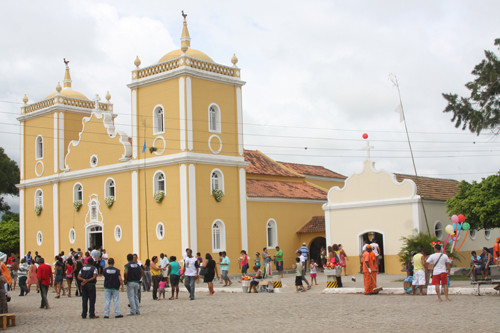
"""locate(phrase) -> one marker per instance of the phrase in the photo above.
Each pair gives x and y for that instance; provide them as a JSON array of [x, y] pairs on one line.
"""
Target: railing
[[66, 101]]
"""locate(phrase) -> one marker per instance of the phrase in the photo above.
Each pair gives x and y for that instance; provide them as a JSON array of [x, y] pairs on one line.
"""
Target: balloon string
[[466, 234]]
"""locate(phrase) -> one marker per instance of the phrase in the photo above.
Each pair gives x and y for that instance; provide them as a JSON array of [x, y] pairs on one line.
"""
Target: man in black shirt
[[133, 275], [88, 277], [112, 282], [79, 265]]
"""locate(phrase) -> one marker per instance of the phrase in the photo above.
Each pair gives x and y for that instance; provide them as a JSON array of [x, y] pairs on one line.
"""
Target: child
[[256, 278], [298, 275], [313, 267], [161, 289]]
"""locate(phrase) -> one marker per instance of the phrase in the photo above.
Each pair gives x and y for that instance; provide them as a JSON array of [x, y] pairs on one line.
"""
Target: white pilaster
[[239, 113], [61, 141], [135, 212], [21, 160], [243, 209], [417, 224], [134, 123], [56, 141], [22, 240], [192, 208], [55, 214], [182, 114], [184, 207], [328, 228], [189, 104]]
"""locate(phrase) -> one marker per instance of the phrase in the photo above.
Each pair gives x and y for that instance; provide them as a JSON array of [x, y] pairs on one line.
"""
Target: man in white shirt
[[376, 251], [191, 267], [303, 261], [163, 264], [440, 272]]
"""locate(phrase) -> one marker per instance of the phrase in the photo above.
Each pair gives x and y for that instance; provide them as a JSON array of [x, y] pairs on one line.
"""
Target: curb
[[400, 291]]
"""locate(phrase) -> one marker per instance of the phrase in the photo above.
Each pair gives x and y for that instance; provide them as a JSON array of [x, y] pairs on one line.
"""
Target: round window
[[160, 230], [487, 233], [472, 234], [93, 161], [72, 236], [39, 238], [438, 229], [118, 233]]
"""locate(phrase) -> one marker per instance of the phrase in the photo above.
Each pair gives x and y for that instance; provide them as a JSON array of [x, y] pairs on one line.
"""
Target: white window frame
[[39, 150], [106, 187], [222, 236], [118, 233], [487, 233], [473, 234], [159, 227], [93, 204], [156, 182], [38, 202], [75, 191], [39, 238], [94, 161], [271, 223], [220, 179], [156, 130], [216, 123], [72, 236], [441, 229]]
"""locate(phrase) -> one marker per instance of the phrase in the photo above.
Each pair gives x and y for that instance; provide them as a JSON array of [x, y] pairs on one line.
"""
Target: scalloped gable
[[372, 185], [109, 145]]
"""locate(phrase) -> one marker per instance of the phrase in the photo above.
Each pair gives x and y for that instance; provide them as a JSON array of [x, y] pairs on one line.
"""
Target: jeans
[[108, 294], [189, 284], [156, 281], [88, 296], [22, 285], [133, 297], [43, 293], [78, 287]]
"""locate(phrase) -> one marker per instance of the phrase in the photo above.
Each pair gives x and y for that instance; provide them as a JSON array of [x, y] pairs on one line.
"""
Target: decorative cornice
[[153, 162], [372, 203], [54, 108]]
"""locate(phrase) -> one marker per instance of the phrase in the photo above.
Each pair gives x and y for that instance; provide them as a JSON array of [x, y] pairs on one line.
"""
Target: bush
[[9, 236], [414, 242]]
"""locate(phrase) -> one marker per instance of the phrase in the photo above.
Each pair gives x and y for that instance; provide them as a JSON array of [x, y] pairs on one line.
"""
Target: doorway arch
[[94, 236], [315, 249], [370, 236]]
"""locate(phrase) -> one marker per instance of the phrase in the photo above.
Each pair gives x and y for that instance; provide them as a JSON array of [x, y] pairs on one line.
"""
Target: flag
[[144, 147], [399, 110]]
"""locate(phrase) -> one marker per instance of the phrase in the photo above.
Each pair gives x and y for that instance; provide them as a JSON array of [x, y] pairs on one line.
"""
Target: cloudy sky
[[317, 72]]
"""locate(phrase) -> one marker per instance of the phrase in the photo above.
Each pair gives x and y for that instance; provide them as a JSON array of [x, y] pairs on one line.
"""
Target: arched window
[[218, 236], [438, 229], [272, 234], [110, 188], [39, 198], [217, 180], [158, 120], [159, 182], [473, 234], [214, 123], [487, 233], [78, 192], [93, 211], [39, 147]]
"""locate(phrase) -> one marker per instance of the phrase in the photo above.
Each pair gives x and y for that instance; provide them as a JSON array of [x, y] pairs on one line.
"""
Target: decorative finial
[[185, 38], [66, 61], [25, 99], [234, 59], [108, 96], [58, 87], [137, 62], [67, 76], [96, 102]]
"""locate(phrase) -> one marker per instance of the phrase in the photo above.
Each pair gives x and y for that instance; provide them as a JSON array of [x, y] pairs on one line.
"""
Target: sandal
[[171, 298]]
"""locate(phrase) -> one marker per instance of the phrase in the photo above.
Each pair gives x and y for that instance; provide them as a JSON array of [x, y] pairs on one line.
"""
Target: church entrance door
[[379, 239], [315, 249], [94, 237]]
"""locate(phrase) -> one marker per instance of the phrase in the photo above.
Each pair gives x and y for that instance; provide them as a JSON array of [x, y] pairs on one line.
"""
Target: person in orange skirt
[[369, 262]]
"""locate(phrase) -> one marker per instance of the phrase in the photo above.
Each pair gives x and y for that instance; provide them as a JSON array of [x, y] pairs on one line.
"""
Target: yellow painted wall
[[204, 93], [289, 217], [165, 94], [43, 222], [43, 125], [72, 128]]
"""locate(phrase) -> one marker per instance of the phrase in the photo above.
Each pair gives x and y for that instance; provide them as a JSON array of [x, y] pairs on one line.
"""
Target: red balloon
[[365, 136], [461, 218]]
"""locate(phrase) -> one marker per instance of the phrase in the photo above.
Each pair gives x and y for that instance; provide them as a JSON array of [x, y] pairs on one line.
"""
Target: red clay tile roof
[[312, 170], [280, 189], [260, 164], [433, 188], [317, 224]]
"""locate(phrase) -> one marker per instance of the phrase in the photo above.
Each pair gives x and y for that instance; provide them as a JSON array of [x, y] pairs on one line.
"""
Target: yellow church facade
[[180, 179]]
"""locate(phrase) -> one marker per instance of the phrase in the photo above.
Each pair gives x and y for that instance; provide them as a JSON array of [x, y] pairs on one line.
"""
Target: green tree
[[413, 243], [481, 110], [7, 216], [9, 236], [9, 177], [479, 202]]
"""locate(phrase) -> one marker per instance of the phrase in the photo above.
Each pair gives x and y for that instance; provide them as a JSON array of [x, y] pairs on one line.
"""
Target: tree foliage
[[481, 110], [9, 236], [9, 177], [479, 202], [415, 242]]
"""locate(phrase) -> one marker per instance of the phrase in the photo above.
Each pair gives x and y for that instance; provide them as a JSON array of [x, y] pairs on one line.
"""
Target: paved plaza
[[285, 311]]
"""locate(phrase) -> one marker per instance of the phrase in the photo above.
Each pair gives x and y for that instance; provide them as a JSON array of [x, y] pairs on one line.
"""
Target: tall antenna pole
[[394, 81], [145, 192]]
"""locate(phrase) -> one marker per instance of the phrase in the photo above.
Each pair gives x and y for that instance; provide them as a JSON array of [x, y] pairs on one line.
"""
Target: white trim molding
[[21, 155], [221, 180], [222, 236], [193, 227], [135, 212], [239, 117], [372, 203], [155, 120], [189, 118], [184, 207], [218, 117], [134, 124], [274, 226], [56, 141], [55, 215], [159, 151], [22, 239], [243, 209], [182, 114], [212, 138], [328, 228], [61, 141]]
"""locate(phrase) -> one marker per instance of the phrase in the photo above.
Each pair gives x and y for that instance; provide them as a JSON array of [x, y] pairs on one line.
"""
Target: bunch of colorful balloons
[[454, 230]]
